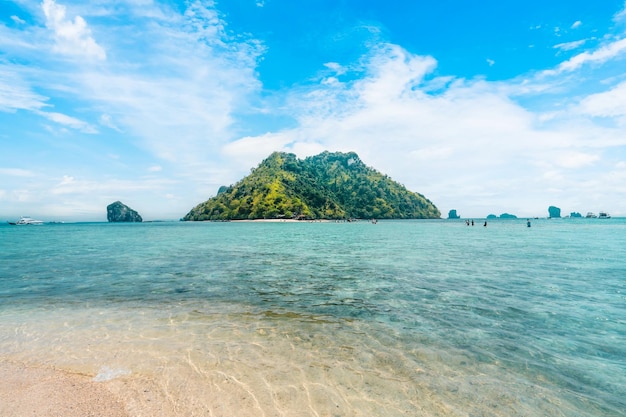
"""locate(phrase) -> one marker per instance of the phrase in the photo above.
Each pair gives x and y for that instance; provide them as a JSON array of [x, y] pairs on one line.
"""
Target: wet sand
[[43, 392]]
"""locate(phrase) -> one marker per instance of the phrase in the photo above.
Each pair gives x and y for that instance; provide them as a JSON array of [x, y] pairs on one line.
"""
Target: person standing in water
[[527, 222]]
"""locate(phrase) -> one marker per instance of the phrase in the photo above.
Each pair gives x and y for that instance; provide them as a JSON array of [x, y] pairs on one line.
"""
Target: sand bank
[[41, 392], [282, 221]]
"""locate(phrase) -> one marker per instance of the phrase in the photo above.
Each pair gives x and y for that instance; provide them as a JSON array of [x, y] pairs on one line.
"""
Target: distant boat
[[604, 215], [591, 215], [26, 221]]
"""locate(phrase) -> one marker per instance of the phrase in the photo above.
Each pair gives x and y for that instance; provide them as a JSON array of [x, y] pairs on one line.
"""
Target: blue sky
[[484, 107]]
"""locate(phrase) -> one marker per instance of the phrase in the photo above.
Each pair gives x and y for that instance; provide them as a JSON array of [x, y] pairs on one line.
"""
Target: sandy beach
[[282, 221], [44, 392]]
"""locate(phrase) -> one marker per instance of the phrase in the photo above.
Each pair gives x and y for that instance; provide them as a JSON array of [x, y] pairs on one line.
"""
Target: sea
[[397, 318]]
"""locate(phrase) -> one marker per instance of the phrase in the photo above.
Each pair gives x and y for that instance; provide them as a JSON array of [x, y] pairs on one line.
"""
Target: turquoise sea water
[[420, 318]]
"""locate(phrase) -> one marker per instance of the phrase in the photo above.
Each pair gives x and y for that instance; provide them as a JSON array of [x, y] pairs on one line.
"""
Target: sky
[[484, 107]]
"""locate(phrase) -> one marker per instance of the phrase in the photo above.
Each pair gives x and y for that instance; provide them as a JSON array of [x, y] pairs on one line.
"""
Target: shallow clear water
[[429, 318]]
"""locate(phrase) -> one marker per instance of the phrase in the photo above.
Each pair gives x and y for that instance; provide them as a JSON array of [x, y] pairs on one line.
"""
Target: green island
[[329, 186]]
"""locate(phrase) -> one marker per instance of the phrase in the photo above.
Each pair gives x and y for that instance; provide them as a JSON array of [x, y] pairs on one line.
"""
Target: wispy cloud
[[15, 94], [69, 121], [599, 56], [107, 120], [568, 46], [175, 92], [17, 20], [620, 17], [17, 172]]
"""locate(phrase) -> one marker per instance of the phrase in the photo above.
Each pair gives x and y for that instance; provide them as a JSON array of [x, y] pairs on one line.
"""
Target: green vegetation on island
[[326, 186]]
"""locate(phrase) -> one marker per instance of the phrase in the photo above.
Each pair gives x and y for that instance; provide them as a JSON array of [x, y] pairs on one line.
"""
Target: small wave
[[106, 374]]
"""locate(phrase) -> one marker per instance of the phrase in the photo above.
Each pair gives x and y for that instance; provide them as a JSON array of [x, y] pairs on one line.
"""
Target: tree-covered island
[[326, 186]]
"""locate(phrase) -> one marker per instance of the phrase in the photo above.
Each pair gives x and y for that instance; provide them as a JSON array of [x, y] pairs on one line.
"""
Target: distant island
[[326, 186], [502, 216], [119, 212], [554, 212]]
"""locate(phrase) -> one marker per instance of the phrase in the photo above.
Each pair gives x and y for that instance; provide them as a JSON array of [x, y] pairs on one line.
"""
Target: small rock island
[[554, 212], [120, 213]]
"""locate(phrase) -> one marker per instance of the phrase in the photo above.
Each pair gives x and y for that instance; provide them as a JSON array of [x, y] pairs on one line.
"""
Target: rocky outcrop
[[452, 215], [118, 212], [554, 212]]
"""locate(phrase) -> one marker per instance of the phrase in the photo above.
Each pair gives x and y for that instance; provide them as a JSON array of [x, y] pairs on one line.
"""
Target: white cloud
[[431, 153], [17, 20], [107, 120], [66, 180], [395, 72], [573, 160], [16, 172], [70, 185], [187, 79], [249, 151], [72, 37], [611, 103], [620, 17], [576, 24], [605, 53], [15, 94], [69, 121], [336, 68], [568, 46]]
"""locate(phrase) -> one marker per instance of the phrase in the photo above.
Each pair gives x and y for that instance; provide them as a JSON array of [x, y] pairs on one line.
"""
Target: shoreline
[[43, 392], [280, 221]]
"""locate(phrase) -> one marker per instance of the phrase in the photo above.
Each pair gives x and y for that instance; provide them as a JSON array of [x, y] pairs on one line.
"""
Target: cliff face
[[119, 212], [326, 186]]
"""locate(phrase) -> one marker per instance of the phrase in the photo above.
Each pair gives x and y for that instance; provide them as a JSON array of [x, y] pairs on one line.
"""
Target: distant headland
[[326, 186]]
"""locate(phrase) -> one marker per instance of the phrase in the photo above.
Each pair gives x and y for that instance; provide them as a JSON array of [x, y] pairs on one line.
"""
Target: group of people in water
[[468, 222], [471, 222]]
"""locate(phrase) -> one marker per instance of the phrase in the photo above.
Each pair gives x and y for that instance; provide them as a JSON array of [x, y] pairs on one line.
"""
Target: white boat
[[604, 215], [591, 215], [26, 221]]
